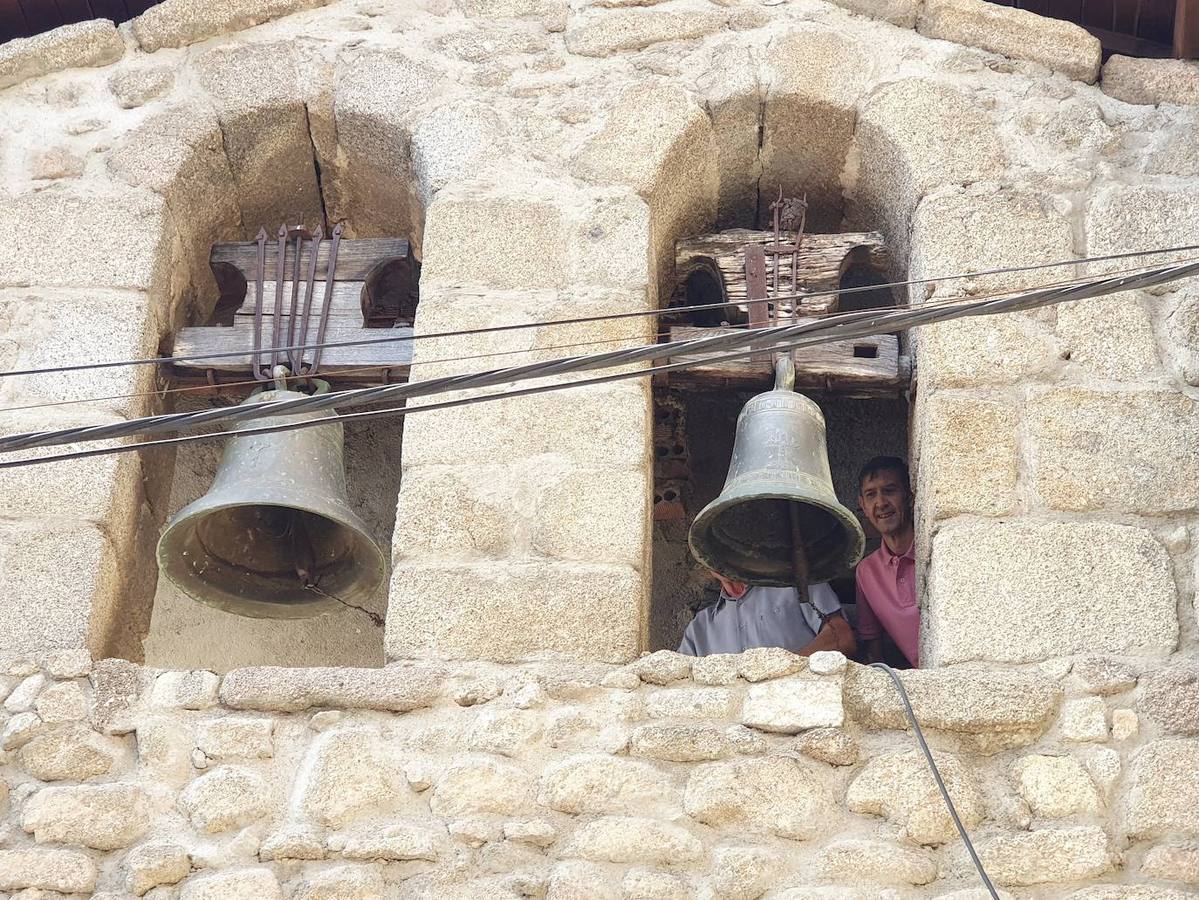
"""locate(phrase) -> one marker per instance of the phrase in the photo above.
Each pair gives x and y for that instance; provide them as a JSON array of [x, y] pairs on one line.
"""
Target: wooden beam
[[355, 258], [823, 259], [365, 364], [346, 301], [865, 367], [1128, 45], [382, 269]]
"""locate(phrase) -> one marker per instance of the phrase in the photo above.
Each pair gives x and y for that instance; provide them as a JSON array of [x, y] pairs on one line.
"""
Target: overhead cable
[[910, 714], [374, 368], [840, 327], [338, 374], [665, 311]]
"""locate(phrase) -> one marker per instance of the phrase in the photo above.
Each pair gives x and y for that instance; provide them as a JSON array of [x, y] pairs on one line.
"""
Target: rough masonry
[[544, 158], [763, 774]]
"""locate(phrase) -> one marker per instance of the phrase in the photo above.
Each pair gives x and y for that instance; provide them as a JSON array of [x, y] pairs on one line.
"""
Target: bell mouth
[[749, 539], [270, 561]]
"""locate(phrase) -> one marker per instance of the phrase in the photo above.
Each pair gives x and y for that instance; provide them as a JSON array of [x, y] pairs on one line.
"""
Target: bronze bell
[[778, 489], [275, 537]]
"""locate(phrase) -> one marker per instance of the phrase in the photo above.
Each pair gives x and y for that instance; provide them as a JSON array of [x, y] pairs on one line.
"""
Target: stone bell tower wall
[[544, 157], [731, 776], [544, 161]]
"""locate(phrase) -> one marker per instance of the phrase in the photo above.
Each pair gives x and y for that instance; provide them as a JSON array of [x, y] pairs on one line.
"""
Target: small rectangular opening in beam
[[865, 351]]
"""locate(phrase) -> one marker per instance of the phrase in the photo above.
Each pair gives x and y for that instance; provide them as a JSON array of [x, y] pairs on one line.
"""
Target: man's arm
[[835, 634]]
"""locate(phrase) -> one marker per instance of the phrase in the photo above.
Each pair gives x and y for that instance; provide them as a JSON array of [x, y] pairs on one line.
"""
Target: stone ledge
[[551, 13], [913, 135], [898, 788], [1147, 465], [114, 238], [1015, 706], [898, 12], [604, 32], [584, 611], [177, 23], [53, 870], [1061, 46], [93, 43], [1151, 81], [343, 785], [521, 239], [970, 454], [69, 573], [397, 689], [1171, 699], [1164, 792], [1047, 855]]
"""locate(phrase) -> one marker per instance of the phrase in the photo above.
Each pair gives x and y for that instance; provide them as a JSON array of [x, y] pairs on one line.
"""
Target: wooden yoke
[[375, 287], [734, 268]]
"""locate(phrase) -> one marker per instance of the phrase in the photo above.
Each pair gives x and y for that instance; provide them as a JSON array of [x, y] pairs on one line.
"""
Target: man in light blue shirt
[[746, 616]]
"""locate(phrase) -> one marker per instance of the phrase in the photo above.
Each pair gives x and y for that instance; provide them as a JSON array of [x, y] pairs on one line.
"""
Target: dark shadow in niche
[[693, 443], [856, 429]]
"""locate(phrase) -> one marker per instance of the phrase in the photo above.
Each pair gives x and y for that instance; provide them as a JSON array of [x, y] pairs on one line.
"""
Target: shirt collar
[[892, 559]]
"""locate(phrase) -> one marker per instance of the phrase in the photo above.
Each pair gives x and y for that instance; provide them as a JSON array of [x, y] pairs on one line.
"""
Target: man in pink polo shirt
[[886, 579]]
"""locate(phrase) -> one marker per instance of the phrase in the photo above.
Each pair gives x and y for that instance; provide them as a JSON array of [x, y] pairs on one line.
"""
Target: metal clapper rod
[[784, 380]]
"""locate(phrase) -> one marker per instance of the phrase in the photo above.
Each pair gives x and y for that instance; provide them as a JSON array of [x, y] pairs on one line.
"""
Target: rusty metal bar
[[293, 312], [755, 289], [799, 233], [328, 303], [297, 356], [278, 314], [256, 358]]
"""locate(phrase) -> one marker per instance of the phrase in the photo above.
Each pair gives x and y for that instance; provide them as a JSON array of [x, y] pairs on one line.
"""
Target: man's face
[[886, 502]]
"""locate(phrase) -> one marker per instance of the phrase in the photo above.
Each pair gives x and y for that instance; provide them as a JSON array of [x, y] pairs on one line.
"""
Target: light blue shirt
[[762, 617]]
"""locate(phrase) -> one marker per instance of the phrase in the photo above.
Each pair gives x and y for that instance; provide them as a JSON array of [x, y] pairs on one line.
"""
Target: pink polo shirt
[[887, 599]]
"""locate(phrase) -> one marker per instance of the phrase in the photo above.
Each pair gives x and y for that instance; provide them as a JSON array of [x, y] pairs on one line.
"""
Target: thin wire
[[396, 411], [163, 392], [290, 378], [670, 310], [928, 756], [328, 376], [839, 327], [987, 307]]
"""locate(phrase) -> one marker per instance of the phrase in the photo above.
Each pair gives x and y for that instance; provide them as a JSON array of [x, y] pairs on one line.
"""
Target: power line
[[163, 392], [667, 311], [779, 338], [842, 326], [397, 411], [910, 714], [341, 373], [172, 422]]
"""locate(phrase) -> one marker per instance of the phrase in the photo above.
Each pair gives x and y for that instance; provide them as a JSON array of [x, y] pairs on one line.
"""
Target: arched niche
[[266, 144], [792, 126]]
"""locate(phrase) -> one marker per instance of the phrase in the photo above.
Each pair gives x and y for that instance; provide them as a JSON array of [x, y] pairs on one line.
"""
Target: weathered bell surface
[[275, 536], [779, 458]]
